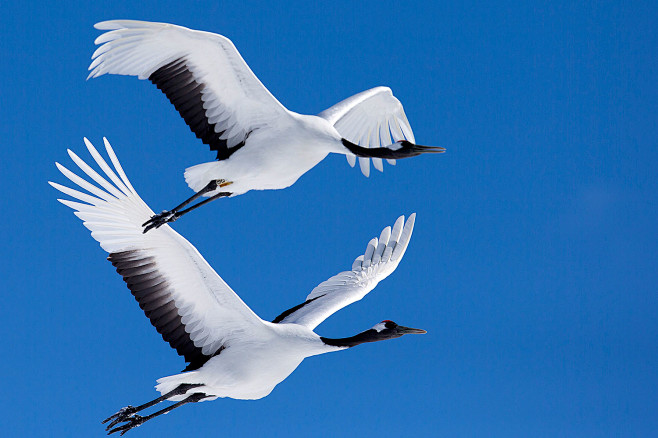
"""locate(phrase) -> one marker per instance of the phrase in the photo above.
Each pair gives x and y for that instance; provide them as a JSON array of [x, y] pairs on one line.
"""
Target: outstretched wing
[[373, 118], [381, 258], [201, 73], [185, 299]]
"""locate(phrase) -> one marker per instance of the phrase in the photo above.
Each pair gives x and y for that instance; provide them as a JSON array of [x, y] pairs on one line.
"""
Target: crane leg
[[135, 420], [128, 411], [171, 215]]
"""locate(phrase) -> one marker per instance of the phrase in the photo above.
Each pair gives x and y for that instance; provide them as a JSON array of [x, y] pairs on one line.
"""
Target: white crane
[[230, 351], [260, 144]]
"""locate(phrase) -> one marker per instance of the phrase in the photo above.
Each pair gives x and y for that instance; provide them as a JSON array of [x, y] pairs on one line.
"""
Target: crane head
[[389, 329]]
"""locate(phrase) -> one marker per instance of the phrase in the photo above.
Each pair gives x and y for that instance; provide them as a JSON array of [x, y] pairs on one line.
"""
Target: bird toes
[[132, 421], [160, 219], [119, 416]]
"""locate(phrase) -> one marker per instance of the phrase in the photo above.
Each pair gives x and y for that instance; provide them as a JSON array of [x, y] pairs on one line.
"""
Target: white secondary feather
[[373, 118], [212, 313], [380, 259]]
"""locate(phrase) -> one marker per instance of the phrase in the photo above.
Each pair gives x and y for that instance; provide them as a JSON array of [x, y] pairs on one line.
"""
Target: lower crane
[[230, 351]]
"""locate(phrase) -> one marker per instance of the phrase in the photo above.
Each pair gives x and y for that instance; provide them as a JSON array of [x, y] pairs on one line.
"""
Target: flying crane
[[229, 350], [260, 144]]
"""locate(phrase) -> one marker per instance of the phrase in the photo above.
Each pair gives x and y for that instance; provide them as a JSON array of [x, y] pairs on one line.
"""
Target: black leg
[[128, 411], [212, 185], [205, 201], [171, 215], [137, 420]]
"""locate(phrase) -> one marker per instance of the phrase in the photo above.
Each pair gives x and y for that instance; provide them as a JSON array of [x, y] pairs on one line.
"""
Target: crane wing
[[202, 74], [380, 259], [373, 118], [196, 312]]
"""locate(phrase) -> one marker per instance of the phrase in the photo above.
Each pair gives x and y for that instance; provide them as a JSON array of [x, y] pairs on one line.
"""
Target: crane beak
[[430, 149], [408, 330]]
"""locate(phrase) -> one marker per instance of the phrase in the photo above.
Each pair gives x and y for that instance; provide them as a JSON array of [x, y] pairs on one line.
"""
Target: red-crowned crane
[[260, 144], [230, 351]]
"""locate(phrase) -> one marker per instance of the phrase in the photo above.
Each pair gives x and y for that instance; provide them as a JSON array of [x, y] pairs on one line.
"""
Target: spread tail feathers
[[198, 176]]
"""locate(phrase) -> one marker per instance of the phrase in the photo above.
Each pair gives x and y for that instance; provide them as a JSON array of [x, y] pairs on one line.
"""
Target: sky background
[[533, 265]]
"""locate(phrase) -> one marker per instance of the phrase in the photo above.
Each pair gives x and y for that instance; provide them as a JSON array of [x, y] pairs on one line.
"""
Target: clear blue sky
[[533, 265]]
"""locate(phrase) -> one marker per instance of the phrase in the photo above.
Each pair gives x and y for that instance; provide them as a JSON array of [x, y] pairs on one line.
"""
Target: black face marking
[[178, 83]]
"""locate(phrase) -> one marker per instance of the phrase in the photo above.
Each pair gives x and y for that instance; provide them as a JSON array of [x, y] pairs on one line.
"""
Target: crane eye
[[389, 324]]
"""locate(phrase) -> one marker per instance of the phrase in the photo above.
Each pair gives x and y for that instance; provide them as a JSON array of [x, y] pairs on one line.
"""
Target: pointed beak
[[430, 149], [409, 330]]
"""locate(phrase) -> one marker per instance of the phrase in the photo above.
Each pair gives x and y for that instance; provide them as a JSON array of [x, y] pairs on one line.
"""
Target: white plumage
[[260, 144], [231, 351], [380, 259]]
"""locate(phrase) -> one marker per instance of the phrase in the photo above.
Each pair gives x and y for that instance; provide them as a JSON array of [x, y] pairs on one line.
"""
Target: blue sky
[[533, 265]]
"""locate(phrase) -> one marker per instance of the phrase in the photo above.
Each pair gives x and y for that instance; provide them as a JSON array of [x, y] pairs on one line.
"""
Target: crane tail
[[198, 176], [167, 384]]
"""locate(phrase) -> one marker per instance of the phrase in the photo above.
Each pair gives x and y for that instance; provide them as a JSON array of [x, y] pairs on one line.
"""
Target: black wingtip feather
[[152, 292], [178, 83]]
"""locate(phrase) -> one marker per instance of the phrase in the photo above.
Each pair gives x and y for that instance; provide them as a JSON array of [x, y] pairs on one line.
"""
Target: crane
[[229, 350], [260, 144]]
